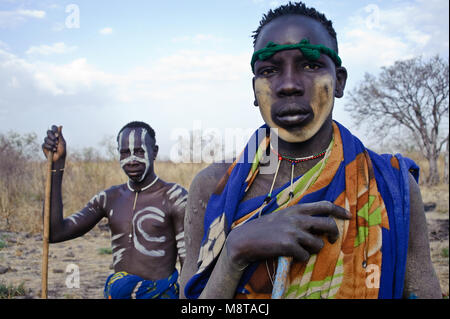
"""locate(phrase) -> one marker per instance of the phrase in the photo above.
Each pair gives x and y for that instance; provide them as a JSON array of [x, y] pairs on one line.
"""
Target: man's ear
[[155, 150], [255, 102], [341, 80]]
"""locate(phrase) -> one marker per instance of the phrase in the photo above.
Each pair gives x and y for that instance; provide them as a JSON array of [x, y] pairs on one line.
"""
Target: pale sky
[[93, 66]]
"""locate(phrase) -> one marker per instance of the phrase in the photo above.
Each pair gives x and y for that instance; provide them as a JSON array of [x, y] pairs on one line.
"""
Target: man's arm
[[177, 211], [81, 222], [200, 190], [420, 278], [298, 235]]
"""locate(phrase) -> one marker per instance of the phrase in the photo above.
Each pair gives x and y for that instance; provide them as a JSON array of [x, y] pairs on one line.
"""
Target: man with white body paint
[[145, 215]]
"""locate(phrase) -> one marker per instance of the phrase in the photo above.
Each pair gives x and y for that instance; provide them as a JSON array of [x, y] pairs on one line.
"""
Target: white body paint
[[73, 217], [175, 193], [98, 198], [180, 244], [117, 255], [181, 201], [149, 212], [172, 189], [113, 238]]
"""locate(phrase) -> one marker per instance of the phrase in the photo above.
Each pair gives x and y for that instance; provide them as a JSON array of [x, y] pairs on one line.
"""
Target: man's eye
[[139, 151], [267, 71], [311, 66]]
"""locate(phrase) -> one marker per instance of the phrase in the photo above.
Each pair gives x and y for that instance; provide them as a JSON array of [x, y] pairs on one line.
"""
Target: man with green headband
[[334, 219]]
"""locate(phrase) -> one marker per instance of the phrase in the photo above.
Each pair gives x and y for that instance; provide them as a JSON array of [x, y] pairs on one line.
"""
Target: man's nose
[[133, 161], [291, 83]]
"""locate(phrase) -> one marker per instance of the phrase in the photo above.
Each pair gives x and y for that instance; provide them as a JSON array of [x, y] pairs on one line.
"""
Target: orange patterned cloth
[[337, 271], [369, 258]]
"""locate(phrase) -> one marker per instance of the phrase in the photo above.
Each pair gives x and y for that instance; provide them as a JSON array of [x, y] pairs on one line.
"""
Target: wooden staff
[[48, 188], [283, 268]]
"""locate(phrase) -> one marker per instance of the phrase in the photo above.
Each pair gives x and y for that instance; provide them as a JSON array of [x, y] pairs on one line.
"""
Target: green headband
[[310, 51]]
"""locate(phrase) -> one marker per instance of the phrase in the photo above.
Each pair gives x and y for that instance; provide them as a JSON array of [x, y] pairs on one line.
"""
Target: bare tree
[[446, 179], [411, 94]]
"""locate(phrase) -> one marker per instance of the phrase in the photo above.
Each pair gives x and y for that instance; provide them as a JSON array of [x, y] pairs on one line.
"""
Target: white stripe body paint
[[98, 198], [175, 193], [120, 140], [181, 201], [172, 189], [138, 218], [179, 236], [180, 244], [117, 256], [144, 147], [131, 145], [73, 217], [113, 238]]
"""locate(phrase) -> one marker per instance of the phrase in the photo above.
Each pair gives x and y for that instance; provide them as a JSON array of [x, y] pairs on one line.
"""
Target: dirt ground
[[20, 261]]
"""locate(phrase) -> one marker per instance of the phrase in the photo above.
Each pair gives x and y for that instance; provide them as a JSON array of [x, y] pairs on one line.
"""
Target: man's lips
[[293, 116], [135, 171]]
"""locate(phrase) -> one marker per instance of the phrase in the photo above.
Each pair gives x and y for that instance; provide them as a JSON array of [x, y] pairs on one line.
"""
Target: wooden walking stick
[[48, 188]]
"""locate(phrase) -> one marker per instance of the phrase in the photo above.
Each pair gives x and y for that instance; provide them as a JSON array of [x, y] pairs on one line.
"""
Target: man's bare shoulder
[[170, 187], [205, 182], [115, 190], [174, 196]]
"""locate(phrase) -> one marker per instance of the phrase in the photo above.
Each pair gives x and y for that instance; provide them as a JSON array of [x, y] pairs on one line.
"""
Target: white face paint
[[133, 143]]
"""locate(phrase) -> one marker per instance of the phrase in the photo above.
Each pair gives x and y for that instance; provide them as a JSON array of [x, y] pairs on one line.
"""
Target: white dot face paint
[[132, 148]]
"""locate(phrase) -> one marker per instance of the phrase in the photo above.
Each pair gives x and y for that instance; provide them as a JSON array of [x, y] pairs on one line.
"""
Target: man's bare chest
[[138, 214]]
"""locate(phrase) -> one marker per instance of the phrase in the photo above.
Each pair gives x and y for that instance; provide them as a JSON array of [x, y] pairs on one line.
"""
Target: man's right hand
[[54, 141], [293, 231]]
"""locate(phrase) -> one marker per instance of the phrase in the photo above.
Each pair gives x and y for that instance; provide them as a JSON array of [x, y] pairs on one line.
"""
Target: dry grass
[[21, 199], [21, 192], [22, 189]]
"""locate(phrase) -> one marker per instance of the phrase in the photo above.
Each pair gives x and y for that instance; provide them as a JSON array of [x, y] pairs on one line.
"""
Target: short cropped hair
[[296, 8], [138, 124]]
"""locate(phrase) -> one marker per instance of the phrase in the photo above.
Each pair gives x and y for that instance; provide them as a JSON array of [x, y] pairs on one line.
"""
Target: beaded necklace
[[293, 161]]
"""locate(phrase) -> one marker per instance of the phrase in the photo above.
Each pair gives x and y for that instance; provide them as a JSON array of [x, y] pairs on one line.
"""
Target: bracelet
[[54, 170]]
